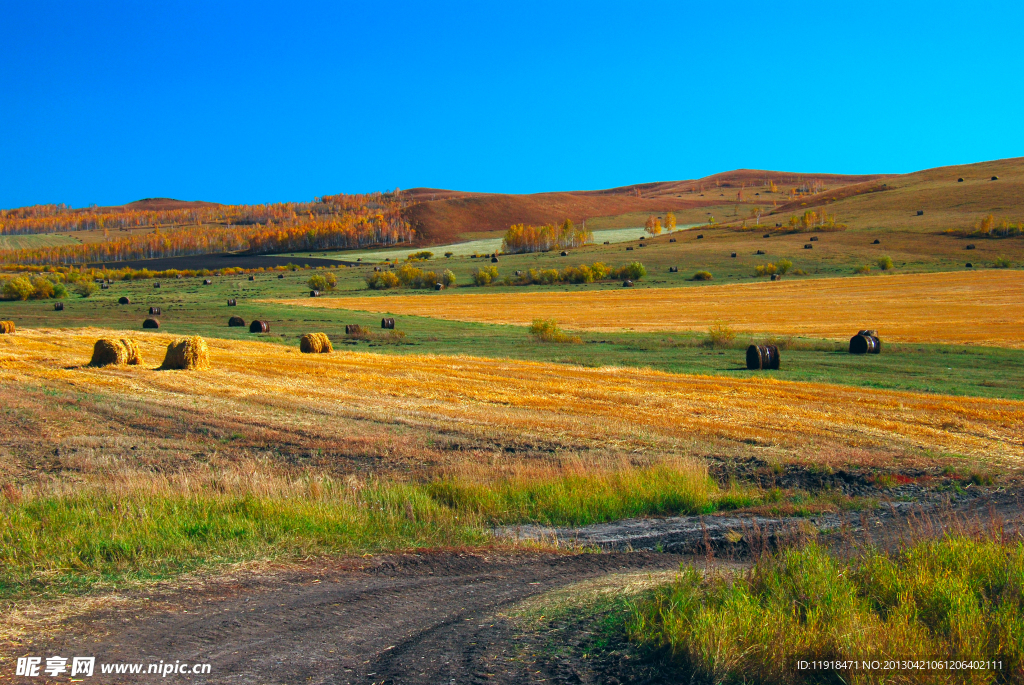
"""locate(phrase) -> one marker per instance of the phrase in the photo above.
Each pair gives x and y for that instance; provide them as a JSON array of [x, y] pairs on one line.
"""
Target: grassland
[[23, 242], [928, 309]]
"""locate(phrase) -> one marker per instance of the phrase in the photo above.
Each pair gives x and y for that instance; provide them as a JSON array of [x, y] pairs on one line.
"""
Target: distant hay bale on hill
[[232, 302], [58, 306], [187, 353], [259, 327], [207, 281], [236, 321], [115, 352], [6, 326], [315, 343], [123, 300], [151, 323]]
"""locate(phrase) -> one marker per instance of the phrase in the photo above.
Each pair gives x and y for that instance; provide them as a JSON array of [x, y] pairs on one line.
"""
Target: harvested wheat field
[[983, 308], [629, 410]]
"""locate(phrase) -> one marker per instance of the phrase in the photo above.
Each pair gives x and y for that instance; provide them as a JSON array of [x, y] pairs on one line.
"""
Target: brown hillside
[[156, 204]]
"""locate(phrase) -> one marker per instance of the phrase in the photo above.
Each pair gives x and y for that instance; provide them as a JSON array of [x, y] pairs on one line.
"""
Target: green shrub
[[884, 263], [783, 266], [720, 335], [19, 288], [765, 269], [633, 271], [322, 281], [449, 254], [1002, 263], [448, 278], [86, 288], [547, 330], [421, 256], [862, 269], [702, 276], [485, 275]]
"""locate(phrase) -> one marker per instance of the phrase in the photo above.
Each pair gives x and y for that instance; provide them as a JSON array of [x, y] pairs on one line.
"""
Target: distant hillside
[[157, 204]]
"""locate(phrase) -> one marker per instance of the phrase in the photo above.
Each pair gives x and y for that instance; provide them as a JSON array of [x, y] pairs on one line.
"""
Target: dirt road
[[428, 618]]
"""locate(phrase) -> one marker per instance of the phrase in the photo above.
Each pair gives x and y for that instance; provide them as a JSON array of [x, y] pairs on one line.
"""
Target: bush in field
[[862, 269], [783, 266], [765, 269], [702, 276], [1002, 263], [86, 288], [547, 330], [449, 254], [447, 278], [634, 271], [958, 597], [485, 275], [421, 256], [382, 280], [720, 335], [18, 289], [884, 263], [322, 282]]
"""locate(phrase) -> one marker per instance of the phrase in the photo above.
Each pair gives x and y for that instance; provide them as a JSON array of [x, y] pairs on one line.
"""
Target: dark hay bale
[[187, 353], [6, 327], [759, 252], [970, 246], [232, 302], [115, 352], [607, 242], [315, 343], [969, 265], [179, 276], [767, 235], [151, 323], [123, 300], [763, 357], [564, 253], [494, 259], [671, 240], [808, 246], [627, 284], [641, 245], [235, 321], [868, 331], [959, 180], [376, 269], [920, 212], [280, 275], [865, 344], [207, 281], [252, 278], [314, 293], [776, 277], [387, 322], [814, 238], [154, 311], [733, 255], [995, 178], [259, 327], [439, 286], [673, 269], [104, 286], [876, 241], [700, 236], [629, 249], [156, 285], [354, 329], [519, 273], [58, 306]]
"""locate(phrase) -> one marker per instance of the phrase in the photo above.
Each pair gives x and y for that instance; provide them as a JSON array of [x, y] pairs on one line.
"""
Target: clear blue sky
[[108, 102]]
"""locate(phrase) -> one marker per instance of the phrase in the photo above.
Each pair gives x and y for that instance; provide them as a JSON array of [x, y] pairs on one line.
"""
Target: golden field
[[319, 401], [982, 307]]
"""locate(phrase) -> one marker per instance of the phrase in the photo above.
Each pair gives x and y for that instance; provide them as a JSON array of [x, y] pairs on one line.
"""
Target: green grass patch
[[956, 598]]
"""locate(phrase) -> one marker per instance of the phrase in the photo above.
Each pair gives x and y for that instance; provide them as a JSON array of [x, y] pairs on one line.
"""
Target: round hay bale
[[700, 236], [808, 246], [104, 286], [387, 322], [314, 293], [259, 327], [760, 252], [607, 242], [439, 286], [876, 241], [566, 254], [58, 306], [236, 321], [154, 311], [970, 246], [995, 178], [178, 276], [959, 180], [156, 285], [6, 327], [920, 212], [767, 235], [353, 329], [627, 284], [494, 259], [673, 269], [733, 255], [124, 300], [232, 302], [519, 273], [315, 343], [763, 357], [776, 277], [814, 238], [115, 352], [968, 265], [280, 275], [865, 344], [629, 249], [671, 240], [151, 323], [252, 278], [207, 281], [187, 353]]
